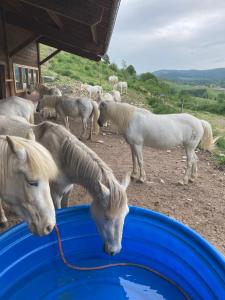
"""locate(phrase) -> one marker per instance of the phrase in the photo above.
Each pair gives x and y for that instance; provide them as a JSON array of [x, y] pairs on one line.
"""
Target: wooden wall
[[27, 56]]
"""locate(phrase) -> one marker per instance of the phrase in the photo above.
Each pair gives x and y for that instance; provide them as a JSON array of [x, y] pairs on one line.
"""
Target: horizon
[[154, 35]]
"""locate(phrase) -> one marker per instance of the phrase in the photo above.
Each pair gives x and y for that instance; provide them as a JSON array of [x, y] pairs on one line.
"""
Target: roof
[[82, 27]]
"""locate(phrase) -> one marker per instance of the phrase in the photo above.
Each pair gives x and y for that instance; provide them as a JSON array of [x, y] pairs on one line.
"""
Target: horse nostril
[[112, 253], [48, 229]]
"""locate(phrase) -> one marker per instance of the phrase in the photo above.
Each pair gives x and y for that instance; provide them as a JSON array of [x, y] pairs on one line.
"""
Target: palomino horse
[[141, 127], [16, 106], [69, 106], [25, 170], [78, 164]]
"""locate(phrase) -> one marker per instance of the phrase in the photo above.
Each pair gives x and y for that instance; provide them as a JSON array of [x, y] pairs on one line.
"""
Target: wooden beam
[[31, 39], [49, 56], [69, 48], [85, 12], [53, 33], [55, 19]]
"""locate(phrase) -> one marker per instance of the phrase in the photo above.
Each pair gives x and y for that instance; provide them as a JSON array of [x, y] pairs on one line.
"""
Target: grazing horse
[[141, 127], [69, 106], [25, 170], [78, 164], [122, 86], [16, 106]]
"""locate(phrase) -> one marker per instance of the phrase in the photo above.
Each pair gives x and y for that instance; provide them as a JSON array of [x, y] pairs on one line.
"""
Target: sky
[[169, 34]]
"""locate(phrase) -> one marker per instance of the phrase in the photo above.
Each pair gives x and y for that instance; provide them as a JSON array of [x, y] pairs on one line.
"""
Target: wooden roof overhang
[[81, 27]]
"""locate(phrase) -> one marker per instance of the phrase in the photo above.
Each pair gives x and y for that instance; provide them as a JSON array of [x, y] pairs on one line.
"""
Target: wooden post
[[9, 79], [182, 104], [38, 61]]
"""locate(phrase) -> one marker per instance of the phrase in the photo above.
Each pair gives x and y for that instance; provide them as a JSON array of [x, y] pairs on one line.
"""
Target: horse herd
[[39, 164]]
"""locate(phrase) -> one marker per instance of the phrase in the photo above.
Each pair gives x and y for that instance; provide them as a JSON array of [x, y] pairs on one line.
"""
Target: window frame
[[27, 71]]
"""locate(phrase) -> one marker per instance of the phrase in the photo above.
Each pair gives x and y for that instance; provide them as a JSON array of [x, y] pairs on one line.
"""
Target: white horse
[[25, 170], [78, 164], [122, 86], [16, 106], [116, 96], [92, 90], [104, 97], [141, 127], [69, 106], [113, 79]]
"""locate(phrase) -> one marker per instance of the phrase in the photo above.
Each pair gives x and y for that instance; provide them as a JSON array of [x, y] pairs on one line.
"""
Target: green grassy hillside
[[144, 90]]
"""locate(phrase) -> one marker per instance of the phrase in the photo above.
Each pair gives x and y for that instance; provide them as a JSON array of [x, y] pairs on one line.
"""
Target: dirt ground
[[200, 205]]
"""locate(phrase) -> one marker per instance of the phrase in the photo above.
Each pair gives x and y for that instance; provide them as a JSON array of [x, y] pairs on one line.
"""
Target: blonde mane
[[50, 100], [120, 114], [39, 159], [87, 168]]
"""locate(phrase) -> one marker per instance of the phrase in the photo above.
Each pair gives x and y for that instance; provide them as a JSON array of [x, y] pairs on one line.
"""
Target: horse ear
[[18, 150], [126, 181], [103, 189]]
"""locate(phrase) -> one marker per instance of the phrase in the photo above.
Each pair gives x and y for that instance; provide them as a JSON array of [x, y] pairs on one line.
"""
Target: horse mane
[[86, 166], [120, 114], [39, 159], [50, 100]]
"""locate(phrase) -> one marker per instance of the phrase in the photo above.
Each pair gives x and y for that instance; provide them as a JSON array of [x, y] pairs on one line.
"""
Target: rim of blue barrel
[[166, 220]]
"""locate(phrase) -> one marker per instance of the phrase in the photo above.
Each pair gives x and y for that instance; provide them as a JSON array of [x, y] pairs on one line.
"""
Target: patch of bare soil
[[200, 205]]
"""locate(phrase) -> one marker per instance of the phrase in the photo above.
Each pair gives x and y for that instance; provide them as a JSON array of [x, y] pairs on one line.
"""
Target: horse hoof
[[191, 180], [180, 182]]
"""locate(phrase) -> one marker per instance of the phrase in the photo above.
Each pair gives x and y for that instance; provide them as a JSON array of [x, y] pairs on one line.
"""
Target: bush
[[113, 67], [147, 76]]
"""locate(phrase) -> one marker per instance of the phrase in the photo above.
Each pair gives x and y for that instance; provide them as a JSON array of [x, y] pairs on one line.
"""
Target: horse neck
[[84, 167], [119, 115]]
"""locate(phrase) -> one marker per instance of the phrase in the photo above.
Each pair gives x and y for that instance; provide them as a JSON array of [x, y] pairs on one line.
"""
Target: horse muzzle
[[100, 123]]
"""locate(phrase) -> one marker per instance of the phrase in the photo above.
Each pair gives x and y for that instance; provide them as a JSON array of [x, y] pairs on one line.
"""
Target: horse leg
[[194, 170], [139, 154], [190, 161], [65, 198], [3, 219], [91, 130], [134, 160], [84, 122]]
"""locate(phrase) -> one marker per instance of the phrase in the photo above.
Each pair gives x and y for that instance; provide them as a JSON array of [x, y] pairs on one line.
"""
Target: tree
[[147, 76], [106, 59], [131, 70], [124, 64]]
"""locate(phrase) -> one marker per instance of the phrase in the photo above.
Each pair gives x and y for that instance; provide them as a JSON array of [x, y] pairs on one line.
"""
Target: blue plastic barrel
[[31, 268]]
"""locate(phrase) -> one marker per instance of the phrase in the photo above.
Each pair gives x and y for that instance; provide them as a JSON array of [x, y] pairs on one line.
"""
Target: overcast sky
[[169, 34]]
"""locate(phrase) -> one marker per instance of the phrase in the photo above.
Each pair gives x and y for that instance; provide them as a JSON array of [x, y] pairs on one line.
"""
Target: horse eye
[[32, 182]]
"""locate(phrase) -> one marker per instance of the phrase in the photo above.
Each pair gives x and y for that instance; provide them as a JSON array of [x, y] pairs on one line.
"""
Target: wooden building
[[81, 27]]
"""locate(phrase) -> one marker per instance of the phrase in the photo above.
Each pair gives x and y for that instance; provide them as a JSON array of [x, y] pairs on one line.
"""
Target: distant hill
[[192, 76]]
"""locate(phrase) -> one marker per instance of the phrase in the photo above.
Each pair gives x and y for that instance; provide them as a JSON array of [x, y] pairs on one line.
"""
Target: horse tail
[[207, 141], [96, 116]]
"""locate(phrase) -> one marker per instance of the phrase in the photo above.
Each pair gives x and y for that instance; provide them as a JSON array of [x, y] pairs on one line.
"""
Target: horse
[[143, 128], [122, 85], [12, 125], [42, 90], [20, 107], [69, 106], [104, 97], [25, 170], [92, 90], [116, 96], [113, 79], [78, 164]]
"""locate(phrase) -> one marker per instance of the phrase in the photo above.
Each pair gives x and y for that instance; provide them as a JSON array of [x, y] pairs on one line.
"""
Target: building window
[[24, 77]]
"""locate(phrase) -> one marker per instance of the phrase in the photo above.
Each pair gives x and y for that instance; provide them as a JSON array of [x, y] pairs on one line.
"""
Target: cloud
[[169, 34]]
